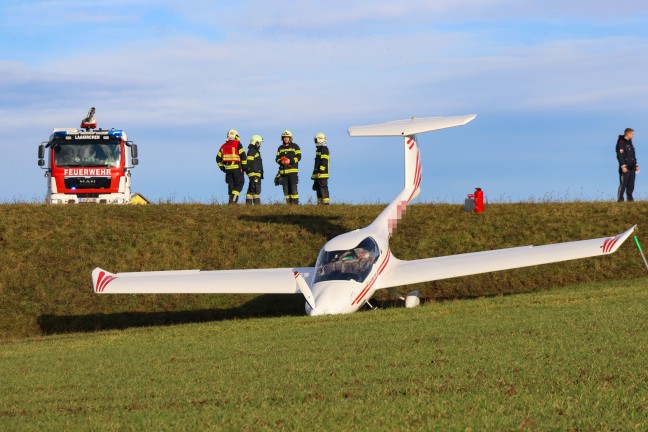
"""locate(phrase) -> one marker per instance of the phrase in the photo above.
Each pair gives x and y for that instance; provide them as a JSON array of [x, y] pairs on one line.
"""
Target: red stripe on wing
[[612, 243], [104, 283]]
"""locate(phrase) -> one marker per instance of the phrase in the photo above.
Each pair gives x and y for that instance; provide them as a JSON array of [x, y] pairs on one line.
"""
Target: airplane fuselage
[[347, 270]]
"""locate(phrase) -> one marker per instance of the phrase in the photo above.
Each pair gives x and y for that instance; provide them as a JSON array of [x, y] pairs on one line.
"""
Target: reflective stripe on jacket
[[254, 162], [227, 160], [322, 160], [293, 153]]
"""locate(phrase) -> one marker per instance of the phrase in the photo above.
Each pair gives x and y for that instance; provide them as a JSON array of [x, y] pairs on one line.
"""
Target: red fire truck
[[88, 165]]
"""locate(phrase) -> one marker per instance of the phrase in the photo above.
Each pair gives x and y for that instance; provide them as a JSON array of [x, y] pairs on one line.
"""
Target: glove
[[284, 161]]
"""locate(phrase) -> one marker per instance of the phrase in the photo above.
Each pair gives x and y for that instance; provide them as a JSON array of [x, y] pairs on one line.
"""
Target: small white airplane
[[353, 266]]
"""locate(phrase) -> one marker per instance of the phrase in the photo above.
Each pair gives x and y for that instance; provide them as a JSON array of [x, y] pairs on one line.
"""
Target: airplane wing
[[425, 270], [255, 281]]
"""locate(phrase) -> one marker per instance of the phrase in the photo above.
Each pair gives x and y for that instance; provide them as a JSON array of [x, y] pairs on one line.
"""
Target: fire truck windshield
[[87, 153]]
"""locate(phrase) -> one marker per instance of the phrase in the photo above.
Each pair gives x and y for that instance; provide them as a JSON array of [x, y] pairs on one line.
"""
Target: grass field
[[568, 359], [48, 253]]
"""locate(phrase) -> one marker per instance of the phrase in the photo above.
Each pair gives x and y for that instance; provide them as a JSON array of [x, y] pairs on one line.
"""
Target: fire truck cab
[[88, 166]]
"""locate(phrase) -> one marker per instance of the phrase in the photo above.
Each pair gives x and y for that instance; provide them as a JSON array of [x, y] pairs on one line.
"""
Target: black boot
[[257, 201], [249, 201]]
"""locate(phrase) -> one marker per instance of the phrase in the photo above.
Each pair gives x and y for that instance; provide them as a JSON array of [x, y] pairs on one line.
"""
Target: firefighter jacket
[[322, 158], [293, 153], [625, 153], [254, 162], [231, 156]]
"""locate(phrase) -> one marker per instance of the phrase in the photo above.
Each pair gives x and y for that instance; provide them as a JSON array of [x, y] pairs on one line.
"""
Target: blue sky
[[553, 84]]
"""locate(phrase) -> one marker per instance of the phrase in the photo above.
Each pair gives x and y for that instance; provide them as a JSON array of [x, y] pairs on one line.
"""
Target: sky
[[553, 83]]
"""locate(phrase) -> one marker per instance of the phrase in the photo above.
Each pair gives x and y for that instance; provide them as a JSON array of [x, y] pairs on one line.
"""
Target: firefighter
[[288, 157], [254, 171], [321, 170], [628, 168], [232, 161]]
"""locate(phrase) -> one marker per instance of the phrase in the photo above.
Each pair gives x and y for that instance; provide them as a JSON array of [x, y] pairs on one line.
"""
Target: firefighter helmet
[[232, 134], [256, 140], [286, 133], [320, 138]]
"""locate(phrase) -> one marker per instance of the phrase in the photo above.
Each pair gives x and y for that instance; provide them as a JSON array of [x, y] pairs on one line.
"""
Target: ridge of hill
[[48, 253]]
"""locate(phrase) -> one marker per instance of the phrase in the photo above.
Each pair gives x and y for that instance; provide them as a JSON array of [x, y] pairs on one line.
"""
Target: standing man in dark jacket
[[321, 170], [232, 161], [254, 171], [288, 157], [628, 167]]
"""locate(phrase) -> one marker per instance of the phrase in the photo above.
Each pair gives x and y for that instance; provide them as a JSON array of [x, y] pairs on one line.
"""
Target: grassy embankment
[[48, 253], [569, 359]]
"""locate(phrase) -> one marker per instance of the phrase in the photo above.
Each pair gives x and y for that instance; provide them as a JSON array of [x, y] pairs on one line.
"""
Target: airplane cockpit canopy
[[345, 265]]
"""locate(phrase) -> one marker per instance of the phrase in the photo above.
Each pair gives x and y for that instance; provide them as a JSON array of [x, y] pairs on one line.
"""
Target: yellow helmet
[[256, 140], [319, 138], [286, 133], [232, 134]]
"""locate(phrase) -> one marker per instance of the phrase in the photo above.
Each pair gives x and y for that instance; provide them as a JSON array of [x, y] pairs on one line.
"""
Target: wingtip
[[612, 244], [629, 232], [100, 275]]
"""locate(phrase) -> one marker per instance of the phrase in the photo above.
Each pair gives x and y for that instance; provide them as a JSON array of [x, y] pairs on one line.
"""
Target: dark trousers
[[235, 181], [626, 184], [254, 188], [320, 186], [289, 184]]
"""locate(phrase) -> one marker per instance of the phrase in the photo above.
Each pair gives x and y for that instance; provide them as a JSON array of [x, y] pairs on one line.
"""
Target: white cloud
[[183, 80]]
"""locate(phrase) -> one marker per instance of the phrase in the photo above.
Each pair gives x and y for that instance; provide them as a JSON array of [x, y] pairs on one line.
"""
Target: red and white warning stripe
[[609, 244], [102, 281]]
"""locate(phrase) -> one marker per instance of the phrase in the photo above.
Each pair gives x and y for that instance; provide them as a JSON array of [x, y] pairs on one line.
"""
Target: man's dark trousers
[[626, 184]]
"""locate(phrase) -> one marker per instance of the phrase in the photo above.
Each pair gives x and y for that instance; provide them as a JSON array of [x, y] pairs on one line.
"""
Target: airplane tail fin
[[407, 129]]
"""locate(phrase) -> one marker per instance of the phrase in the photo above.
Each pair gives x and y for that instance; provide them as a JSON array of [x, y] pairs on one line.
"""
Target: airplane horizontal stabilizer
[[425, 270], [411, 126]]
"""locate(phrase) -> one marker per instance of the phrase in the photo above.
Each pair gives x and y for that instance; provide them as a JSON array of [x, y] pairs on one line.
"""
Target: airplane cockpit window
[[353, 264]]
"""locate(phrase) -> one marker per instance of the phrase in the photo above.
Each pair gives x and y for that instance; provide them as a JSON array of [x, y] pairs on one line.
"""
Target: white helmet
[[286, 133], [232, 134], [319, 138], [256, 140]]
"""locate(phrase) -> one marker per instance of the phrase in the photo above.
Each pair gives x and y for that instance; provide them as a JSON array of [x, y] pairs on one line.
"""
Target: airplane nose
[[331, 298]]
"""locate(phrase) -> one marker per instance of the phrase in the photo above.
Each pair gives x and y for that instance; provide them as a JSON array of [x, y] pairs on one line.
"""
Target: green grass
[[48, 253], [569, 359]]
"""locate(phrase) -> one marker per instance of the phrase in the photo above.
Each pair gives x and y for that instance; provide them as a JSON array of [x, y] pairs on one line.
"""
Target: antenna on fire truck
[[89, 122]]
